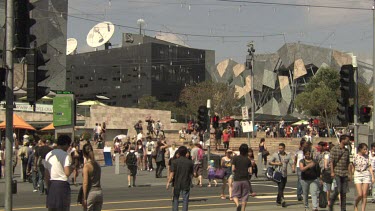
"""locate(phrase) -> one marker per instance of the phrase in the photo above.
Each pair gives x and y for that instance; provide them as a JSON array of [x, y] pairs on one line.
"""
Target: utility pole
[[250, 64], [373, 72], [355, 107], [9, 31]]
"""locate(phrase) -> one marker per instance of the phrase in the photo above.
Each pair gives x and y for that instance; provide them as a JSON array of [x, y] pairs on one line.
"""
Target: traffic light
[[342, 109], [3, 74], [364, 114], [22, 25], [202, 118], [36, 74], [347, 85]]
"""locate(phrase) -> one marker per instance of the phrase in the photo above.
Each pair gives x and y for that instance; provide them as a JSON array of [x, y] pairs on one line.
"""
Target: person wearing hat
[[23, 154]]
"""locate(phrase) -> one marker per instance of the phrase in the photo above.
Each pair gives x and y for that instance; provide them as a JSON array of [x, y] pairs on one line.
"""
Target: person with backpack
[[309, 179], [131, 162], [197, 154], [298, 156]]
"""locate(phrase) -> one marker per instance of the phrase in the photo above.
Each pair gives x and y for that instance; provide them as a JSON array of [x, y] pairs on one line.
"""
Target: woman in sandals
[[226, 164], [363, 175]]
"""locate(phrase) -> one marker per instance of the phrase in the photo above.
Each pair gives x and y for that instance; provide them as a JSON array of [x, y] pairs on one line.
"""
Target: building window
[[86, 85], [81, 77]]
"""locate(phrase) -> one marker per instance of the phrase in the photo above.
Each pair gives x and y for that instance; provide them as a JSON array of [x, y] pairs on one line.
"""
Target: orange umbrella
[[18, 123], [48, 127]]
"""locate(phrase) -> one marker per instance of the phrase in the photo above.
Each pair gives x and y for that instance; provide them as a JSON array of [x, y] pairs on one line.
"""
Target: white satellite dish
[[100, 34], [71, 45]]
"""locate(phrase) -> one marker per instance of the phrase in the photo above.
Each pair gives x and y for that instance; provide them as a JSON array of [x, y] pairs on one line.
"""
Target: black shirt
[[183, 170], [242, 165], [42, 151]]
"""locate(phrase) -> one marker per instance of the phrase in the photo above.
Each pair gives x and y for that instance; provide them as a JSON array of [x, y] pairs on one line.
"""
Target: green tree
[[148, 102], [223, 98], [364, 95], [320, 95]]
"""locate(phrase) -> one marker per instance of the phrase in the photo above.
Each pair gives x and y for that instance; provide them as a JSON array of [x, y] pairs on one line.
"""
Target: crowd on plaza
[[324, 170]]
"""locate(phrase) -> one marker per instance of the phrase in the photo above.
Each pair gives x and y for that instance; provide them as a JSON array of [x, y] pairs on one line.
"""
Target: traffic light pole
[[355, 107], [9, 104]]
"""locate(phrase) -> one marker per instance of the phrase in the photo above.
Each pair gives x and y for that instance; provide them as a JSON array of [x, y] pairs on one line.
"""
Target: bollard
[[14, 186]]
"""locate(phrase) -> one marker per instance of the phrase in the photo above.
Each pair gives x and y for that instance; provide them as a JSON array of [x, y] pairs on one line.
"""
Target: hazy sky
[[347, 30]]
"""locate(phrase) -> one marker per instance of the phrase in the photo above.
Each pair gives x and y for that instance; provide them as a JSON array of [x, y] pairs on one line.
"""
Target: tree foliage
[[320, 95], [223, 98]]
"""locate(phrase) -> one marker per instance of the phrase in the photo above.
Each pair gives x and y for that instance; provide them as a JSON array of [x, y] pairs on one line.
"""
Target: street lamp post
[[209, 130], [250, 66]]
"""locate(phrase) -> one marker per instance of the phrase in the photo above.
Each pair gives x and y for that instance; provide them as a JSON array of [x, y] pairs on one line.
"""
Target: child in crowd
[[211, 173]]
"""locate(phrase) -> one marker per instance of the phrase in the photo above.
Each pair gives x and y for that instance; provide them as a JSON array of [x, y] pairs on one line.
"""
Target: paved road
[[150, 194]]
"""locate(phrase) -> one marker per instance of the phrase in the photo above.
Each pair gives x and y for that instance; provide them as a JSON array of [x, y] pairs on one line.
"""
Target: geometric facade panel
[[286, 94], [238, 69], [269, 79], [299, 69], [222, 67], [284, 81], [258, 75]]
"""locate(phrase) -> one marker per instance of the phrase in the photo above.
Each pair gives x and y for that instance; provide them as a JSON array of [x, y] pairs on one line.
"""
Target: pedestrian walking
[[150, 148], [372, 159], [280, 160], [226, 164], [131, 162], [40, 154], [92, 190], [181, 171], [226, 138], [340, 168], [58, 165], [160, 158], [297, 158], [326, 173], [140, 155], [23, 154], [309, 179], [197, 154], [264, 152], [241, 167], [211, 173], [363, 175]]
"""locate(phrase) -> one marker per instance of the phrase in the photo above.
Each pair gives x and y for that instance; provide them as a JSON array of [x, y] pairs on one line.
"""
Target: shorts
[[139, 155], [327, 187], [241, 190], [132, 170], [198, 170], [362, 177]]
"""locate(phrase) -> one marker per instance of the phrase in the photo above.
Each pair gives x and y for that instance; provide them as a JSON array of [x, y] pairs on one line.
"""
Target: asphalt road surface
[[151, 194]]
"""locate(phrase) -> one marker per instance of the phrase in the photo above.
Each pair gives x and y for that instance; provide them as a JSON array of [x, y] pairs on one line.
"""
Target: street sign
[[247, 126], [245, 113]]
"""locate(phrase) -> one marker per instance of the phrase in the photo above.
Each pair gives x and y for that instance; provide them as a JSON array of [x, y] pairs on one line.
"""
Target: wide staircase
[[292, 144]]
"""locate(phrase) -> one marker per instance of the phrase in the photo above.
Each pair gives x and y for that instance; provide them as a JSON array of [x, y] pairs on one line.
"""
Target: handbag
[[219, 173], [326, 176], [265, 153]]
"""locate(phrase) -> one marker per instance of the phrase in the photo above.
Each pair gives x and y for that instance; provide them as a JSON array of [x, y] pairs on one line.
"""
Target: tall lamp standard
[[250, 66], [209, 130]]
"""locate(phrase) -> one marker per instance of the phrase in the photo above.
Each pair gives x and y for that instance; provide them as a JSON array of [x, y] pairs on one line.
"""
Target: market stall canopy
[[48, 127], [301, 122], [226, 120], [43, 98], [18, 123], [90, 103]]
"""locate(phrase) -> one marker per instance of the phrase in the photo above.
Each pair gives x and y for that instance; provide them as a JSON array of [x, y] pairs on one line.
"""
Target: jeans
[[280, 189], [299, 186], [313, 187], [35, 180], [159, 168], [149, 161], [185, 198], [41, 178], [342, 187], [24, 168]]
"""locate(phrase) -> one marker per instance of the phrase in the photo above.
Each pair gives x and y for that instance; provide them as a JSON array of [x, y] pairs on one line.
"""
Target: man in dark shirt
[[40, 153], [340, 168], [182, 172], [241, 166]]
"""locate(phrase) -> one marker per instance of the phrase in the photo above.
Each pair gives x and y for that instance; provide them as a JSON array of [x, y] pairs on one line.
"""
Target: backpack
[[131, 159], [200, 154]]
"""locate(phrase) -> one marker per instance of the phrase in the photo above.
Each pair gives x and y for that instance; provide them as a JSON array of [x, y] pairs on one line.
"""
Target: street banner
[[245, 113]]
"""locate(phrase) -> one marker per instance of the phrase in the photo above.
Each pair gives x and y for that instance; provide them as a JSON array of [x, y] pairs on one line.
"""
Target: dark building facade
[[147, 68]]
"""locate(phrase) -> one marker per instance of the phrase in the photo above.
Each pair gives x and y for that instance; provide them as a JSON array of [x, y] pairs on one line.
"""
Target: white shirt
[[150, 147], [139, 136], [300, 156], [55, 162], [172, 151]]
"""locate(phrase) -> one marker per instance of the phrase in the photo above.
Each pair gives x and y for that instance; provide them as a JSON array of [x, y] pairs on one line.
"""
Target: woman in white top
[[363, 175]]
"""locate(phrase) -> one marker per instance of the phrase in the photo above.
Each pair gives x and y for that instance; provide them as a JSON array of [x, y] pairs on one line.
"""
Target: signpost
[[246, 126], [64, 114]]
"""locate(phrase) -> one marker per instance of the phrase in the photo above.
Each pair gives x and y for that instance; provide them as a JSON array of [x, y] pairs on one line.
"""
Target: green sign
[[62, 111]]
